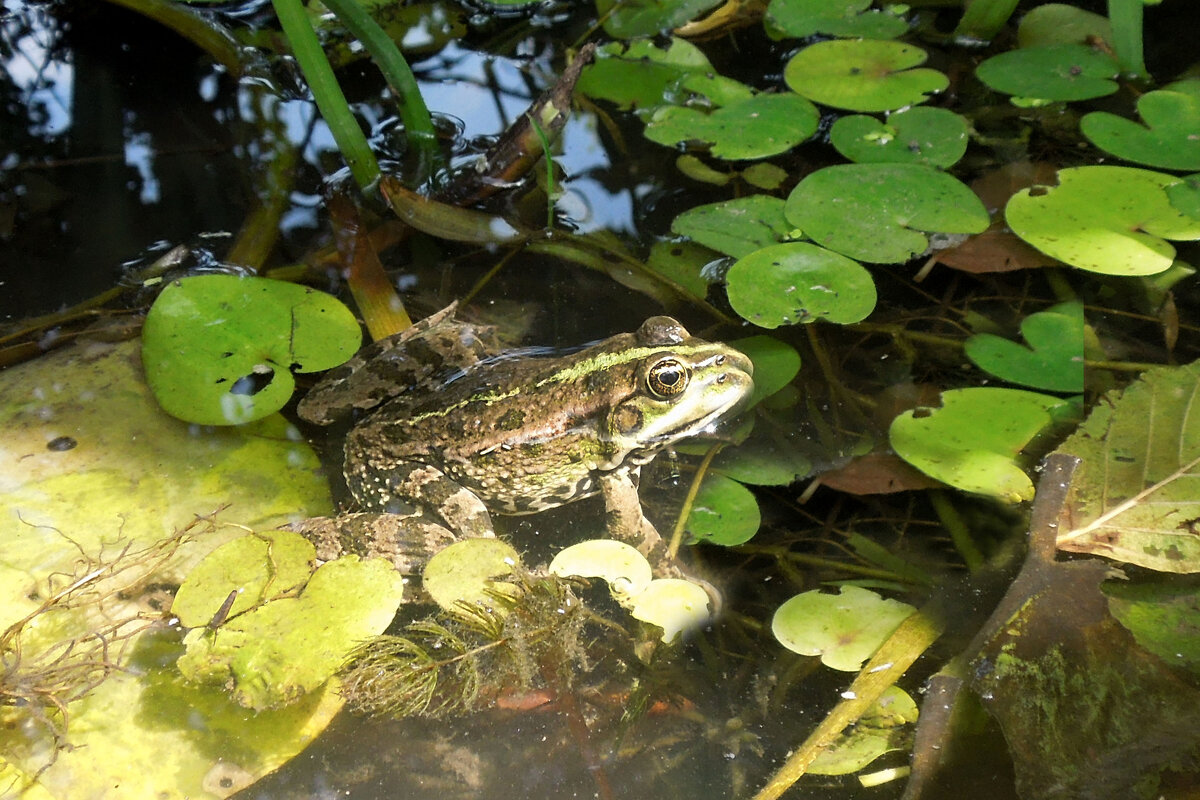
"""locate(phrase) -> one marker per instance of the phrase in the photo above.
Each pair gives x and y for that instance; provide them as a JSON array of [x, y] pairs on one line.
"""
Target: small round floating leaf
[[674, 605], [220, 349], [725, 512], [639, 74], [863, 75], [844, 629], [626, 571], [682, 263], [918, 135], [1058, 23], [879, 212], [764, 125], [1111, 220], [736, 227], [463, 572], [786, 284], [776, 363], [972, 441], [1063, 72], [1052, 357], [1169, 139], [1185, 196], [848, 18], [632, 18]]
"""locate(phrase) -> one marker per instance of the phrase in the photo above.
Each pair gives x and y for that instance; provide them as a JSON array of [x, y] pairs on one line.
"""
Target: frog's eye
[[667, 378]]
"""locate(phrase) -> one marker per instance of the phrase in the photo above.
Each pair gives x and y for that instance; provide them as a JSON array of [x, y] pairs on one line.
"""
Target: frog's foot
[[407, 541]]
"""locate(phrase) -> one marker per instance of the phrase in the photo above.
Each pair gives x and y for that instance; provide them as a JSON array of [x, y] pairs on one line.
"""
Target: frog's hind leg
[[393, 488]]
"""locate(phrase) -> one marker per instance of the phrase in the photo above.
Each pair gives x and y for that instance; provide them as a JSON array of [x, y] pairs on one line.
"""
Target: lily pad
[[220, 349], [763, 460], [1168, 139], [786, 284], [624, 569], [638, 74], [1058, 72], [844, 629], [1185, 196], [1052, 358], [1059, 23], [933, 136], [626, 19], [282, 649], [725, 512], [776, 363], [849, 18], [863, 75], [683, 263], [1111, 220], [736, 227], [761, 126], [972, 441], [675, 605], [463, 572], [881, 212]]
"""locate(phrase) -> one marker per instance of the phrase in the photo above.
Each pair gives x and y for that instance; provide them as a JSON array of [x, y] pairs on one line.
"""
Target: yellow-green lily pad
[[760, 126], [463, 572], [1062, 72], [971, 442], [673, 604], [1169, 137], [1052, 357], [798, 282], [877, 732], [639, 74], [623, 568], [863, 75], [1111, 220], [776, 363], [844, 629]]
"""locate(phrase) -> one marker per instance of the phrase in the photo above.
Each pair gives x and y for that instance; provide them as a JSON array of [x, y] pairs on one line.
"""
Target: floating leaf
[[725, 512], [844, 629], [1052, 359], [880, 212], [1063, 72], [763, 460], [1134, 496], [463, 572], [761, 126], [624, 569], [626, 19], [849, 18], [921, 135], [220, 349], [971, 442], [674, 605], [776, 363], [639, 75], [786, 284], [682, 263], [863, 75], [1163, 618], [1111, 220], [1168, 138], [1058, 23], [1185, 196], [736, 227]]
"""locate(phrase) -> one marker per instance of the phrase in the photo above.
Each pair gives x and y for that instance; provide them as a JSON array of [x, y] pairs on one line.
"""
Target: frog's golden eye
[[667, 378]]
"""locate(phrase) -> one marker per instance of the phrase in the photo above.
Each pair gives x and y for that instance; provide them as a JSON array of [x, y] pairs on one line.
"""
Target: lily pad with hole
[[1111, 220], [737, 227], [881, 212], [798, 282], [221, 349], [639, 74], [758, 127], [1059, 72], [626, 19], [933, 136], [725, 512], [863, 75], [844, 629], [1169, 137], [972, 441], [1051, 358], [846, 18]]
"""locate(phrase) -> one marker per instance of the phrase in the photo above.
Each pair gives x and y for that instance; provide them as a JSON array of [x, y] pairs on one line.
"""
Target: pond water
[[121, 141]]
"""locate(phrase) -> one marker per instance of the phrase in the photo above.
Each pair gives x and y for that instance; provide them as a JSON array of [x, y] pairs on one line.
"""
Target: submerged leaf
[[844, 629]]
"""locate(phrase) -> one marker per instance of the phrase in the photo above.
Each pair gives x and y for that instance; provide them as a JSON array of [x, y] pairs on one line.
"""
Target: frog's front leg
[[625, 521], [411, 488]]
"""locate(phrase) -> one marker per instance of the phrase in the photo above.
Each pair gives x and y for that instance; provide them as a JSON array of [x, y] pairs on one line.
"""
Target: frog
[[451, 427]]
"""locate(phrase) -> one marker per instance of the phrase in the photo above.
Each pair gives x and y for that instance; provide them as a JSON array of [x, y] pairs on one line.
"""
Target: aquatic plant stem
[[326, 91], [417, 122], [194, 26], [1125, 16], [983, 19]]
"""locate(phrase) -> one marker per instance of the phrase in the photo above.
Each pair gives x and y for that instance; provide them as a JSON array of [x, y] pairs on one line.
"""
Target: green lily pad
[[767, 177], [683, 263], [281, 649], [220, 349], [1111, 220], [1058, 23], [1185, 196], [848, 18], [880, 212], [464, 572], [1168, 139], [1052, 358], [920, 135], [1061, 72], [761, 126], [1163, 618], [632, 18], [776, 363], [844, 629], [863, 75], [736, 227], [725, 512], [638, 74], [763, 460], [673, 604], [799, 282], [972, 441], [624, 569]]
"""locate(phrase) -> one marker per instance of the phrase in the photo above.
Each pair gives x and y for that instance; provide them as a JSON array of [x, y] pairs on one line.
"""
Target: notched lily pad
[[675, 605], [863, 75], [1052, 357], [797, 282], [624, 569], [844, 629], [933, 136], [1169, 137], [1111, 220], [848, 18], [725, 512], [761, 126], [1059, 72], [220, 349], [881, 212], [736, 227]]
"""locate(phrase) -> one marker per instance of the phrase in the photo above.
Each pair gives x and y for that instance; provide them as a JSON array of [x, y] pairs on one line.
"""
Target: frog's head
[[679, 386]]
